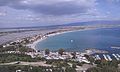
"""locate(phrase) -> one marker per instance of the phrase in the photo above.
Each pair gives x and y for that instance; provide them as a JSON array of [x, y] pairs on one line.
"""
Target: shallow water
[[80, 40]]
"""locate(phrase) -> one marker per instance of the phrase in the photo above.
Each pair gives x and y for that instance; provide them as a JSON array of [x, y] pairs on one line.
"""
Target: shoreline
[[33, 45]]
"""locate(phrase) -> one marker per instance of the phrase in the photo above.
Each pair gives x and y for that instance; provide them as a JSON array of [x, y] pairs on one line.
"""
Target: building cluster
[[36, 37], [24, 40], [15, 43], [66, 55], [53, 55]]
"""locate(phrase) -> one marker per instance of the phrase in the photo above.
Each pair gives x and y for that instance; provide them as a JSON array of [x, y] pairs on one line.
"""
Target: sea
[[102, 39]]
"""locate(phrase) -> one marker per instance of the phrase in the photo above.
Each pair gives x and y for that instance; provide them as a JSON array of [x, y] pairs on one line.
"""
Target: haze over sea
[[102, 39]]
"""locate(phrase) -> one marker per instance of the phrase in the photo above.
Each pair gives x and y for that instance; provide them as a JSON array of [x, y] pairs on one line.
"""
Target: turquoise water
[[80, 40]]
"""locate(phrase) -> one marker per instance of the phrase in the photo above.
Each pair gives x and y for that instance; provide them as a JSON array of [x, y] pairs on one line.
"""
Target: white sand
[[33, 45]]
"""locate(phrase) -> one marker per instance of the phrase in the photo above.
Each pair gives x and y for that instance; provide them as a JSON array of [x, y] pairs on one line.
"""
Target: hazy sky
[[19, 13]]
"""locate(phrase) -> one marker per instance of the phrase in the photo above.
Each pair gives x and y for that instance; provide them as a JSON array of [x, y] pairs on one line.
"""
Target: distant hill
[[92, 23], [70, 24]]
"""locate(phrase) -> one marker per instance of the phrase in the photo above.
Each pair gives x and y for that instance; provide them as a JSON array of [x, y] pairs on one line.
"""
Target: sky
[[22, 13]]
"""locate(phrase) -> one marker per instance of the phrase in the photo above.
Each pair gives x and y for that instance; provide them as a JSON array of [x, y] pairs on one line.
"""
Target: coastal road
[[42, 63]]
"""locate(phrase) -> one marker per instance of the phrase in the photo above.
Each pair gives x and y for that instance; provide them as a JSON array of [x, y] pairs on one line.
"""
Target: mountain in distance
[[90, 23], [102, 22]]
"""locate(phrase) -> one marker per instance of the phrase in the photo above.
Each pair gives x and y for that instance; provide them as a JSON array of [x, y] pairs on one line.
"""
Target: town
[[47, 58], [23, 52]]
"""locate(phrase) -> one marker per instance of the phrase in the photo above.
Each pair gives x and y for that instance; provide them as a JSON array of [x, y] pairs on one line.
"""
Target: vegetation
[[17, 57], [105, 66], [26, 68], [26, 49], [76, 62], [74, 55], [18, 47], [14, 68], [70, 69], [104, 63], [105, 69], [60, 51], [47, 51], [90, 58], [10, 48], [58, 63], [73, 65]]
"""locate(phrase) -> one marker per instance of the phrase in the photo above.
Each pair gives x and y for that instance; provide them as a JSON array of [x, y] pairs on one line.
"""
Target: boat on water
[[71, 41], [97, 57], [109, 58], [116, 57], [105, 57]]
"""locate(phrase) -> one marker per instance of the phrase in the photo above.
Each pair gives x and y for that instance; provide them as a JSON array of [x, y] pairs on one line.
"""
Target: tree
[[47, 51], [114, 63], [94, 69], [105, 66], [70, 69], [91, 59], [1, 46], [104, 69], [97, 61], [74, 55], [87, 56], [61, 51], [73, 65]]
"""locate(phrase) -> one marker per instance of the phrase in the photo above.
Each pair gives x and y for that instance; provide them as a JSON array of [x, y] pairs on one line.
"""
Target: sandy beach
[[33, 45]]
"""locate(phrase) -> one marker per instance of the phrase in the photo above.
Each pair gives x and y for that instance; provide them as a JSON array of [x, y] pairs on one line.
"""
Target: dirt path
[[28, 63]]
